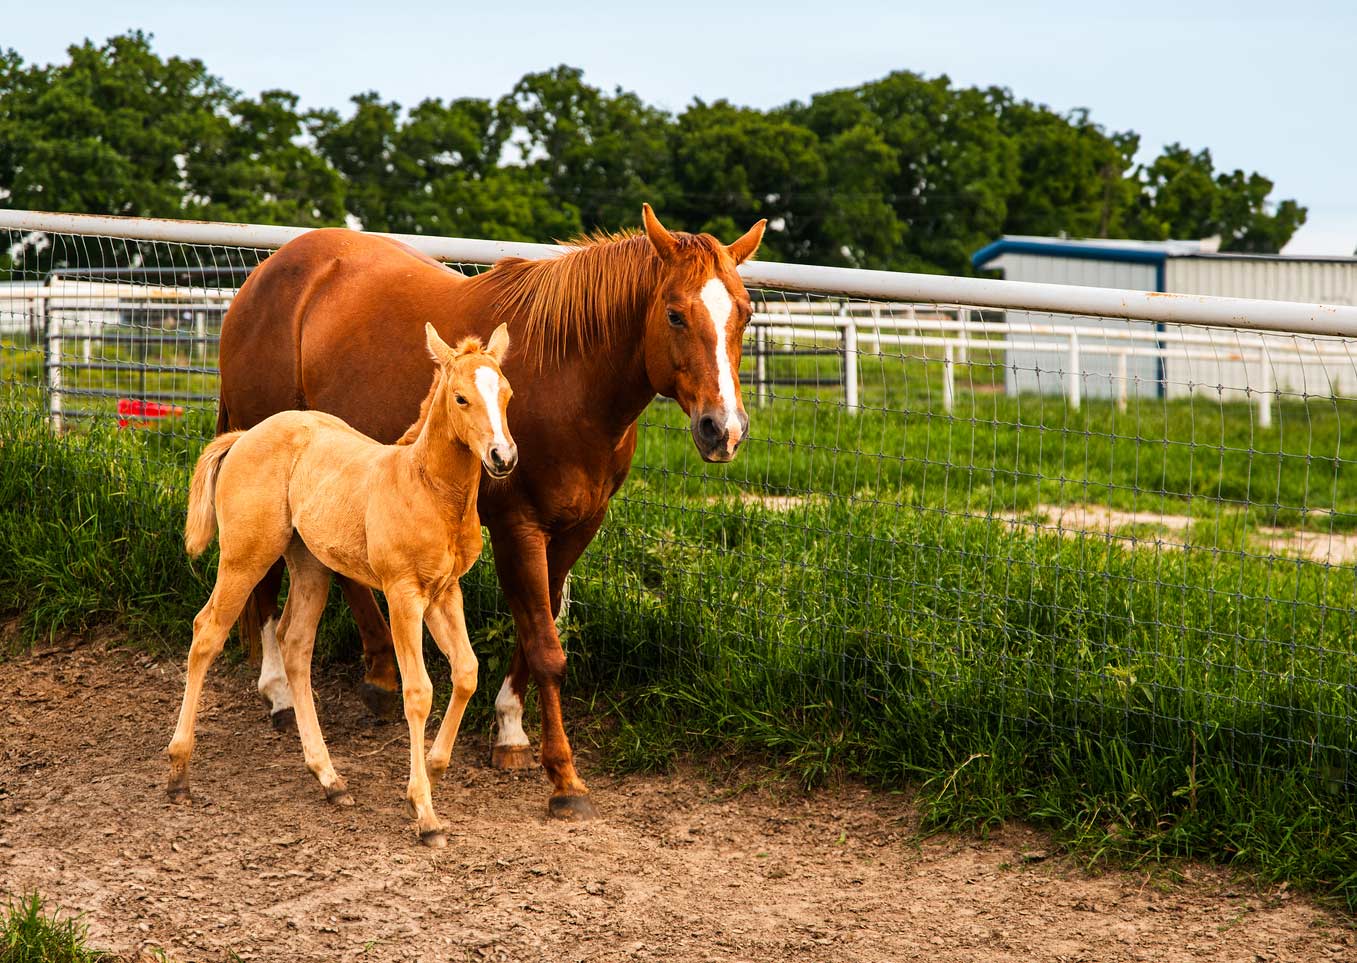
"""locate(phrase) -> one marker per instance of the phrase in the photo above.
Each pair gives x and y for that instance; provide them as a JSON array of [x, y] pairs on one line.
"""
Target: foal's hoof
[[179, 795], [433, 838], [512, 757], [577, 808], [284, 720], [338, 796], [382, 703]]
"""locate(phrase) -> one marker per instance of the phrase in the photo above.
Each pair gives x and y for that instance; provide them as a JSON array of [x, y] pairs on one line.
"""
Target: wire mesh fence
[[1078, 531]]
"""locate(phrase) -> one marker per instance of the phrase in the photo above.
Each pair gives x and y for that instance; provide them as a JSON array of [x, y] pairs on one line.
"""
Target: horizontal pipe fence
[[1067, 530]]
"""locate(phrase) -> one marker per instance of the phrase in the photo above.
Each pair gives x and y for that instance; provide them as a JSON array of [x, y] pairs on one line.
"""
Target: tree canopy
[[906, 172]]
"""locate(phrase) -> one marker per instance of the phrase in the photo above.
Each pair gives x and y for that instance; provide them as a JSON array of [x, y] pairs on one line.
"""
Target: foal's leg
[[235, 579], [379, 690], [306, 597], [447, 624], [407, 632]]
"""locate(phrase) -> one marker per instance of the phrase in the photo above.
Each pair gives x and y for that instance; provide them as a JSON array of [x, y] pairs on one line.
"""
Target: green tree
[[1183, 196], [601, 154]]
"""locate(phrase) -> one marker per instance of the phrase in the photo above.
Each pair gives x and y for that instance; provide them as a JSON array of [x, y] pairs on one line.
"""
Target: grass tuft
[[30, 934]]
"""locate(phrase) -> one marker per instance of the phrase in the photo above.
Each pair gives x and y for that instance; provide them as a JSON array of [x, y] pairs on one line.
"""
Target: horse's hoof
[[382, 703], [512, 757], [576, 808], [284, 720], [179, 795], [338, 796], [433, 838]]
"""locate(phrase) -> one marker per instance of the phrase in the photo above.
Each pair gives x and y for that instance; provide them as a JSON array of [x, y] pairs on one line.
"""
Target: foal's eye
[[460, 400], [675, 318]]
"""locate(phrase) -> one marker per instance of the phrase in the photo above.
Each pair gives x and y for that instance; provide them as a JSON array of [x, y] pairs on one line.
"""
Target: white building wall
[[1232, 362], [1046, 371]]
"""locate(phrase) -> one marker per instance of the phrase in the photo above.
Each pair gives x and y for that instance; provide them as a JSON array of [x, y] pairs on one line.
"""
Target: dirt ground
[[678, 868]]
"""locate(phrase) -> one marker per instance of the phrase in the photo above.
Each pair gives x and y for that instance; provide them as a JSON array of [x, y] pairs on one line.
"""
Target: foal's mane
[[468, 345], [596, 289]]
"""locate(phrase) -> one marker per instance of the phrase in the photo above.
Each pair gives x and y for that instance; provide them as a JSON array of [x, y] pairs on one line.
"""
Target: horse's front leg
[[407, 607], [447, 624], [379, 691], [521, 559], [512, 749]]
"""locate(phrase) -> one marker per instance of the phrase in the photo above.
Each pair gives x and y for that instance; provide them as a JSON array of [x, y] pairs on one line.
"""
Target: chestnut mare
[[334, 321]]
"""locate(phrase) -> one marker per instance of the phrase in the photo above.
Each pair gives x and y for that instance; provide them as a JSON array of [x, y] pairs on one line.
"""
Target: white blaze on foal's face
[[487, 383], [721, 308]]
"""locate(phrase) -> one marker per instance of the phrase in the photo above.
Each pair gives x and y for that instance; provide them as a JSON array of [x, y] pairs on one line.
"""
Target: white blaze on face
[[509, 713], [720, 306], [487, 383]]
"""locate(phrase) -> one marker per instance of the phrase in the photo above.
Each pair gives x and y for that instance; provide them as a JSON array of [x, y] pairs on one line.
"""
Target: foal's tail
[[201, 525]]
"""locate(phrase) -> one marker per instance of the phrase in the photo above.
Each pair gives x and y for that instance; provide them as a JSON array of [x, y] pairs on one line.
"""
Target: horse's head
[[476, 396], [694, 330]]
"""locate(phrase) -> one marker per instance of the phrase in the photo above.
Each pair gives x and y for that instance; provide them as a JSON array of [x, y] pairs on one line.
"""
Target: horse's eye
[[675, 318], [460, 400]]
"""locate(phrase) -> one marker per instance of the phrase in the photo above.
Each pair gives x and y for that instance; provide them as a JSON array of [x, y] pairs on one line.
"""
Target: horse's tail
[[201, 524]]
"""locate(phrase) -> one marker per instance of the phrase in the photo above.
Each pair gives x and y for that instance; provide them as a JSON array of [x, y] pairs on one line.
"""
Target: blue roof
[[1101, 249]]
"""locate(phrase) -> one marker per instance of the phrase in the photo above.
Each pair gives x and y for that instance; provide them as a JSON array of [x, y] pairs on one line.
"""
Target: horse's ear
[[743, 249], [660, 238], [499, 344], [438, 348]]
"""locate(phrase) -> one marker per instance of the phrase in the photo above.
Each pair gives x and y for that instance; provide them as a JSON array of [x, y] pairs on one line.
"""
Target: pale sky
[[1266, 86]]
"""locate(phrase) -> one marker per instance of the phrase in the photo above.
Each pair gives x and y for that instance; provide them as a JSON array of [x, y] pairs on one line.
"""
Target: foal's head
[[694, 329], [476, 395]]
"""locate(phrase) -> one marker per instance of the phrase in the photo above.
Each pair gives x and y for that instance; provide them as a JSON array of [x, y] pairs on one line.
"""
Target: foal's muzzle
[[714, 440], [500, 460]]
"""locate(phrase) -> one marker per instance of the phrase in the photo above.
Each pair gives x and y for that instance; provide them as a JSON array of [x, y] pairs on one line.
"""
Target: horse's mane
[[468, 345], [587, 295]]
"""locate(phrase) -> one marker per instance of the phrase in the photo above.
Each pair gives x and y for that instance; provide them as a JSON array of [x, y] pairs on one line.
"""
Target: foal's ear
[[664, 243], [743, 249], [499, 344], [438, 348]]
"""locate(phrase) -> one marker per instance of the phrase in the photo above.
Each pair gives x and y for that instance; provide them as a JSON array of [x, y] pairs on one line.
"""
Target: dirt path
[[678, 869]]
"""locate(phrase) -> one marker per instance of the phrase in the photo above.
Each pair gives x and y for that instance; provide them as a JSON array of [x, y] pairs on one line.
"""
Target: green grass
[[30, 934], [879, 622]]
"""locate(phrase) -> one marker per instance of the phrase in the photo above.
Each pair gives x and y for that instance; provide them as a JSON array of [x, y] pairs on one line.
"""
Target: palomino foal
[[400, 518]]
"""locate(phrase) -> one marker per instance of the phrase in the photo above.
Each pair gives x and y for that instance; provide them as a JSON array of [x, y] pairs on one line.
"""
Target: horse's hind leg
[[380, 691], [273, 687], [210, 628], [447, 624], [307, 593]]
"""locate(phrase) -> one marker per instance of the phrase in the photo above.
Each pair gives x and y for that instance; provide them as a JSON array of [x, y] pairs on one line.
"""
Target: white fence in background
[[1236, 349]]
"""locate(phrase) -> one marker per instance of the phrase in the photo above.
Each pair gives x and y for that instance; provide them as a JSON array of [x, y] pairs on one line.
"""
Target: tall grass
[[30, 934], [880, 622]]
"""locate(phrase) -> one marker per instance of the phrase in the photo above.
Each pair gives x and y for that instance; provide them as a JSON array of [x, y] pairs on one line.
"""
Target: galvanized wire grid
[[1086, 526]]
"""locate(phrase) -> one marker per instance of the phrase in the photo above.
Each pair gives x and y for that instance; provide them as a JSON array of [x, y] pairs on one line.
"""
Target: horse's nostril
[[709, 430]]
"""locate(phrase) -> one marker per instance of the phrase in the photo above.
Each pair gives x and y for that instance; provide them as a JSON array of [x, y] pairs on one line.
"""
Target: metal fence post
[[1121, 381], [1072, 385], [948, 377], [1265, 391], [850, 360], [52, 339]]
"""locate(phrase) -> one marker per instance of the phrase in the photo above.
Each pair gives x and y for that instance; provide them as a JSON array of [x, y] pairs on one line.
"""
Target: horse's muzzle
[[715, 440], [500, 460]]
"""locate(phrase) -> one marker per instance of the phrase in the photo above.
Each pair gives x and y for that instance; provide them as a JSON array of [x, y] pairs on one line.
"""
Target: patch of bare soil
[[1332, 548], [678, 868]]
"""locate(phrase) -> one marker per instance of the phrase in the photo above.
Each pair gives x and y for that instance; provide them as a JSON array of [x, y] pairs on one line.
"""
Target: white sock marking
[[272, 675], [720, 306], [509, 712], [487, 382]]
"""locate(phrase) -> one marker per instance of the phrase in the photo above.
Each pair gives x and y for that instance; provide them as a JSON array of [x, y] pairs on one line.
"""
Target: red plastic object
[[135, 413]]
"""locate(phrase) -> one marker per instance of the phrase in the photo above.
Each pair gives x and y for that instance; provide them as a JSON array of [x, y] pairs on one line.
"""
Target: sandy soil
[[679, 868]]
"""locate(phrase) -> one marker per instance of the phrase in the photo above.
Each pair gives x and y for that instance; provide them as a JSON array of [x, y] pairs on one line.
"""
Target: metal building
[[1175, 362]]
